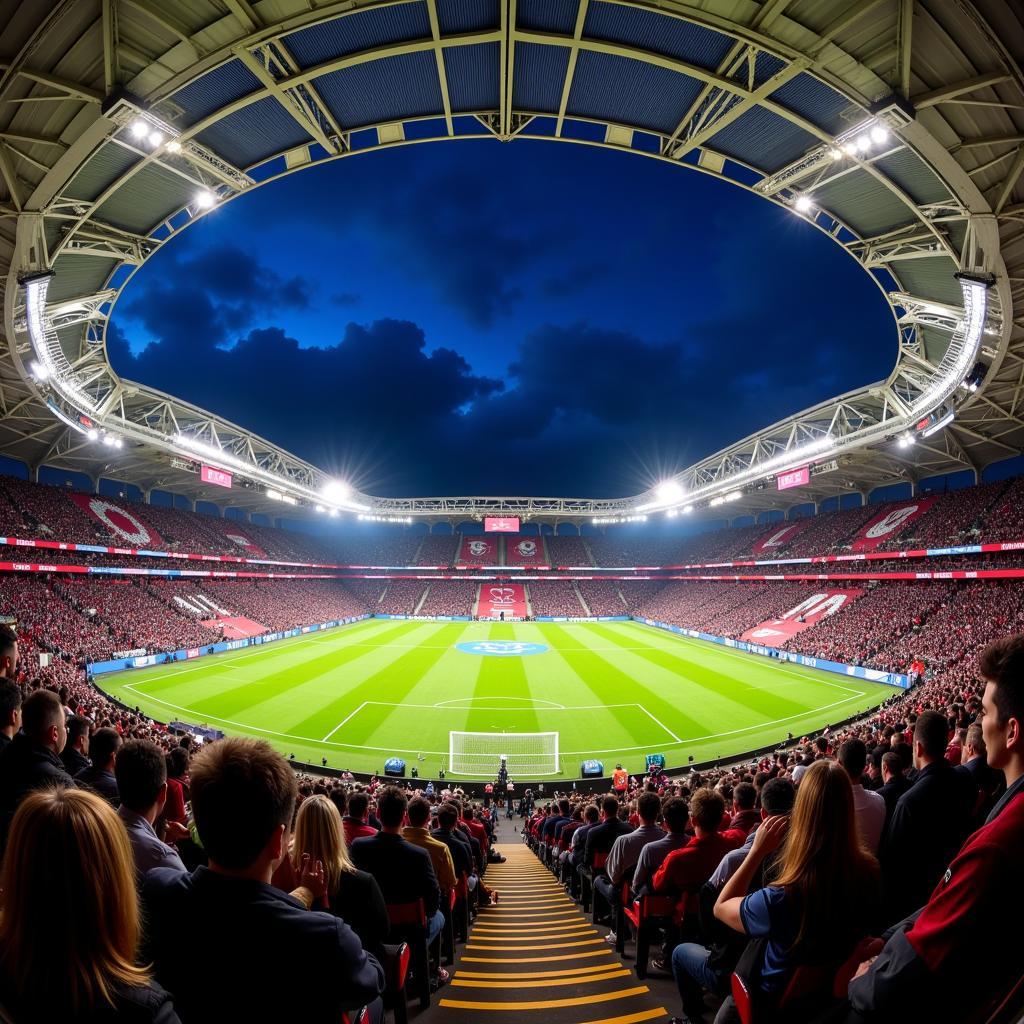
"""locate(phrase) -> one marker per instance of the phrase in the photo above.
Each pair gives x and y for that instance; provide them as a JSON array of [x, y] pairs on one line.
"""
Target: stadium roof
[[896, 126]]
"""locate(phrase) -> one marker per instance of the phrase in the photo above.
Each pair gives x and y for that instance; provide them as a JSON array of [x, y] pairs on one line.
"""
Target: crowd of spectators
[[450, 597], [438, 549], [401, 597], [568, 550], [555, 597], [602, 598]]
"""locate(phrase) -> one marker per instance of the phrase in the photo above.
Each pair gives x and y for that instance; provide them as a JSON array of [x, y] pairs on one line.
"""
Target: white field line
[[444, 753], [344, 720], [660, 724]]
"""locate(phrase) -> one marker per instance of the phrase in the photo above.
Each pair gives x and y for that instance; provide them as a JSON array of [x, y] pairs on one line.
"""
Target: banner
[[209, 475], [123, 524], [807, 613], [498, 598], [887, 524], [240, 539], [524, 551], [478, 551], [781, 535], [794, 478], [501, 524]]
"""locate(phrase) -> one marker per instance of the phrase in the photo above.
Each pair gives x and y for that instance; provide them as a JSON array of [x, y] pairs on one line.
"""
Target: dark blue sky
[[532, 318]]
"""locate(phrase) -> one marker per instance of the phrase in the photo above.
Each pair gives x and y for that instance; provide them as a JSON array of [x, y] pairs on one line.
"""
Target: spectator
[[69, 933], [141, 774], [355, 823], [984, 780], [868, 807], [228, 944], [99, 776], [824, 898], [10, 710], [8, 652], [177, 779], [458, 846], [894, 782], [676, 813], [696, 967], [31, 760], [417, 833], [75, 755], [745, 817], [350, 894], [928, 824], [946, 963], [404, 872], [602, 836]]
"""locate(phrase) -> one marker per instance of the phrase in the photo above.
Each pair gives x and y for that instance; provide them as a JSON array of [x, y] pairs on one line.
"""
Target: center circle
[[501, 648]]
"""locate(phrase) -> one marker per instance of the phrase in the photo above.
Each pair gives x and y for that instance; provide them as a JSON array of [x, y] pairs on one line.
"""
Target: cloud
[[346, 298]]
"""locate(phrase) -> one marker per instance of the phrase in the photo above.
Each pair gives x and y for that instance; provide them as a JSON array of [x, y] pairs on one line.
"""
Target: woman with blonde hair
[[825, 894], [69, 928], [351, 894]]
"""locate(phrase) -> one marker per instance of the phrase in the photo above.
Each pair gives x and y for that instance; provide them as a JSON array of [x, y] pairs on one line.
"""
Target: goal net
[[526, 754]]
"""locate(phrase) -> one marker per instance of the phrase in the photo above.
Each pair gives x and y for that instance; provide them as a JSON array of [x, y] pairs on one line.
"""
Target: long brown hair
[[319, 832], [70, 920], [823, 861]]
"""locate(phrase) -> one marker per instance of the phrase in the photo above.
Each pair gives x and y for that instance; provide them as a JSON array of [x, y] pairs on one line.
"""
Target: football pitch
[[613, 691]]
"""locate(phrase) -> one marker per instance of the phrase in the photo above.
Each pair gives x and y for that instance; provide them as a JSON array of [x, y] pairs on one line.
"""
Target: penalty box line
[[436, 707]]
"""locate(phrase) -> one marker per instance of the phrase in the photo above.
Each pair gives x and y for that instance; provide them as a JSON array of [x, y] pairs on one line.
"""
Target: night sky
[[531, 318]]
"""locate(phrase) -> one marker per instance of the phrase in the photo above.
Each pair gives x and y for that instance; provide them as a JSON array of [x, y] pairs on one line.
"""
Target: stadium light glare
[[39, 371], [803, 204], [205, 199], [320, 508], [174, 146], [837, 155], [734, 496], [669, 490], [716, 501], [906, 440], [139, 128], [687, 509], [879, 134], [108, 440], [335, 491], [155, 138], [850, 148], [92, 434], [863, 143]]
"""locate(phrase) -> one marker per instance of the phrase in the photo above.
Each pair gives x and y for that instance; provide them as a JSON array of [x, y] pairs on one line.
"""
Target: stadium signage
[[209, 475], [501, 648], [501, 524], [794, 478]]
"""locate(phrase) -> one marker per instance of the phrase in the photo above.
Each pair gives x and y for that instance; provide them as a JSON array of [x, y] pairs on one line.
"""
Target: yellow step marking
[[517, 949], [549, 983], [565, 972], [549, 1004], [533, 959]]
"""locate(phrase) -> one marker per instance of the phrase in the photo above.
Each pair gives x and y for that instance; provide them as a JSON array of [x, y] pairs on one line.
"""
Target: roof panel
[[818, 103], [914, 176], [215, 89], [763, 140], [930, 278], [765, 65], [253, 133], [473, 74], [145, 199], [77, 275], [468, 15], [630, 92], [383, 90], [864, 203], [100, 171], [547, 15], [364, 30], [658, 33], [538, 77]]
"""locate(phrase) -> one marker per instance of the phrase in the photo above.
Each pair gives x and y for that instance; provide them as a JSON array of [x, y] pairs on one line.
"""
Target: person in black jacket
[[601, 837], [31, 760], [894, 782], [227, 943], [69, 933], [10, 705], [928, 825], [75, 755], [99, 776], [985, 782], [458, 845]]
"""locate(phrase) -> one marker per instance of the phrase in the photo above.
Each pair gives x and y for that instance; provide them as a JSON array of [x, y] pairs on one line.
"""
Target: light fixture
[[803, 204], [92, 434], [879, 134], [906, 440], [139, 128], [174, 146], [205, 199], [320, 508], [335, 490], [155, 138], [39, 371], [108, 440], [850, 148], [863, 143], [734, 496], [669, 490], [837, 155], [687, 509]]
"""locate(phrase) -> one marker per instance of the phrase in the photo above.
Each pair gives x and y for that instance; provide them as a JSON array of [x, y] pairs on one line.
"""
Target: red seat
[[646, 915], [409, 924]]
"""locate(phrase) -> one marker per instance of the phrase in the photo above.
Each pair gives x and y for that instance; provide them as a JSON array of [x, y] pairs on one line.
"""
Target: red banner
[[524, 551], [775, 632], [501, 524], [478, 551], [887, 524], [499, 598], [780, 536], [123, 524], [794, 478], [220, 477], [242, 540]]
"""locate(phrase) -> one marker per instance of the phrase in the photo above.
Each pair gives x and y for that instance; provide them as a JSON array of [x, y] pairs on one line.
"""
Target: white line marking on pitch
[[344, 720], [661, 724]]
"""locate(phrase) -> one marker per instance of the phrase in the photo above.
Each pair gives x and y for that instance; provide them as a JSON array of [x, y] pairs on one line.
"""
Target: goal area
[[526, 754]]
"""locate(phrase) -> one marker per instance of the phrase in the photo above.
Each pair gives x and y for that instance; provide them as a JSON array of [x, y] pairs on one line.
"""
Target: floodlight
[[155, 138], [139, 128], [803, 204], [320, 508], [39, 371], [108, 440], [669, 490], [118, 443], [205, 199], [879, 134], [850, 148], [335, 490], [687, 509], [837, 155], [92, 434], [906, 440], [863, 143], [734, 496], [174, 146]]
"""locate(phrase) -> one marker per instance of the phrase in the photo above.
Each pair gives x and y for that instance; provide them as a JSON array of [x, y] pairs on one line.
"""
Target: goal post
[[526, 754]]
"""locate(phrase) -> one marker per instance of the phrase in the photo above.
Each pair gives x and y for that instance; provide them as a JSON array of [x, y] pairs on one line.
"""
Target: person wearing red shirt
[[476, 828], [354, 823]]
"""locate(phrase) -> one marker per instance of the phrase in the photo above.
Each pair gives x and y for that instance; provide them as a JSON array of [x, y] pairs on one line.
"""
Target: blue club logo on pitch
[[501, 648]]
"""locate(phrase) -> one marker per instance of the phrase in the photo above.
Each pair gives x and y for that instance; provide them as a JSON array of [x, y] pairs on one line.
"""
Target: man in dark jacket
[[31, 760], [226, 942], [10, 710], [985, 782], [894, 782], [601, 837], [75, 755], [461, 851], [99, 776], [929, 824]]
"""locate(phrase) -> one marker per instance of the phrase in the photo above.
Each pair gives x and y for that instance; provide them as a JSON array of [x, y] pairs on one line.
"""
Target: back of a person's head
[[932, 733], [243, 791], [320, 835], [418, 812], [78, 726], [69, 931], [707, 808], [648, 806], [610, 807], [677, 815], [177, 762], [853, 756], [468, 815], [447, 817], [103, 746], [41, 711], [8, 642], [391, 805], [563, 806], [822, 858], [976, 739], [358, 805], [141, 771], [10, 699], [892, 763], [591, 814], [778, 797], [744, 796]]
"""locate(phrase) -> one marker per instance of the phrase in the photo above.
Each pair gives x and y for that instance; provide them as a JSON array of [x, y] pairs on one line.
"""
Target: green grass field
[[613, 691]]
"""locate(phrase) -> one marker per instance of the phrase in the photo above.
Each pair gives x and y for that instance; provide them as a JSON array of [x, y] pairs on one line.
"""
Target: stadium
[[743, 744]]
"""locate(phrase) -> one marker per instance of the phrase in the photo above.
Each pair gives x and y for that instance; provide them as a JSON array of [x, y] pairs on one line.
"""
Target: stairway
[[586, 607]]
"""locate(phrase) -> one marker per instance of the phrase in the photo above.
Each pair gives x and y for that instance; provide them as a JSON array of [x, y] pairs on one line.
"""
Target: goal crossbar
[[525, 754]]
